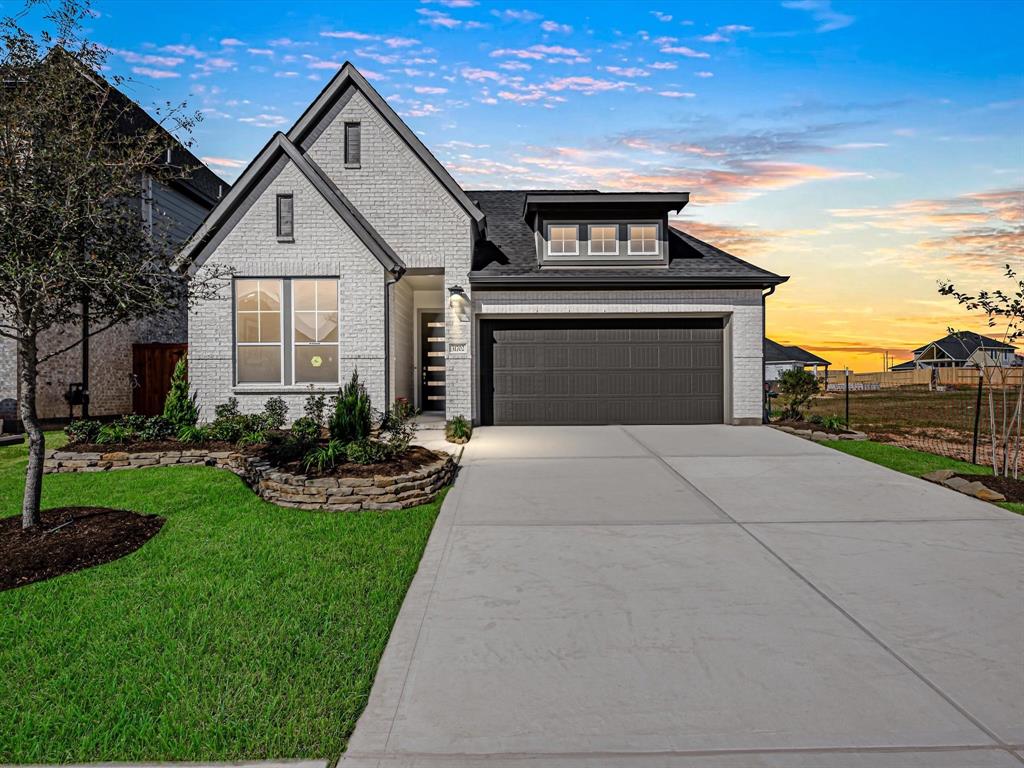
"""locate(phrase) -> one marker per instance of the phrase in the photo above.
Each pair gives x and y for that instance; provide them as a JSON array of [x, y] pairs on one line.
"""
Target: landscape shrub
[[226, 410], [325, 457], [368, 451], [397, 427], [352, 418], [83, 431], [315, 407], [797, 388], [275, 413], [181, 408], [458, 429], [833, 422]]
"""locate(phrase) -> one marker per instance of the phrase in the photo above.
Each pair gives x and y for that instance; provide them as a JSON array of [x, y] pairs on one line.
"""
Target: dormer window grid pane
[[563, 240]]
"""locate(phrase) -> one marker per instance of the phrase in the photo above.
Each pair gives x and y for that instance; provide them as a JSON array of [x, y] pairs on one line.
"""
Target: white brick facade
[[323, 247]]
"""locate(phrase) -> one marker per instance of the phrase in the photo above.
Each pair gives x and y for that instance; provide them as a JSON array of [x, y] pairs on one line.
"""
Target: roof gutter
[[589, 282]]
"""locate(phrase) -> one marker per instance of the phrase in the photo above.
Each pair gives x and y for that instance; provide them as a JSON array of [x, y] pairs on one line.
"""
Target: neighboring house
[[779, 358], [963, 349], [129, 365], [353, 248]]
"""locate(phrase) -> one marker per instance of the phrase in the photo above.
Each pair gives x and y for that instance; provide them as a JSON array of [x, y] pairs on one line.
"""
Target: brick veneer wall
[[324, 246]]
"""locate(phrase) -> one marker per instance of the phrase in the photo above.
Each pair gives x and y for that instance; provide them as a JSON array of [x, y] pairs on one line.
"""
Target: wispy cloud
[[677, 94], [224, 162], [156, 74], [513, 14], [231, 42], [662, 17], [554, 26], [724, 34], [683, 50], [443, 20], [822, 12]]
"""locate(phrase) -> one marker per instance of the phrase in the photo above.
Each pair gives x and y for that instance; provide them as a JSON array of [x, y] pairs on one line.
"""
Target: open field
[[241, 630], [914, 417]]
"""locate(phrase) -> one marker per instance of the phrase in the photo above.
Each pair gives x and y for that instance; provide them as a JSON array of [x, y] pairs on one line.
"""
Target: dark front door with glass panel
[[432, 378]]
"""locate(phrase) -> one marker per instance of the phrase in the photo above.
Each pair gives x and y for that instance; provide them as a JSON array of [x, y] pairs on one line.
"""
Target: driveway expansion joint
[[850, 617]]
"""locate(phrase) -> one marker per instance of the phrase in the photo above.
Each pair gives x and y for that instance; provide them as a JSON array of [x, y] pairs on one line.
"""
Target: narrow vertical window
[[315, 330], [258, 331], [353, 153], [285, 217]]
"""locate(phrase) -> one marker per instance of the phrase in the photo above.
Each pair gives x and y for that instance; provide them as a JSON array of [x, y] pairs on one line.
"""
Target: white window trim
[[564, 253], [294, 343], [590, 240], [657, 239], [280, 332]]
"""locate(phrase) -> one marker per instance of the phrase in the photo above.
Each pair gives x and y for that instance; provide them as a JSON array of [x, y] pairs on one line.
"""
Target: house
[[962, 349], [354, 249], [127, 368], [779, 358]]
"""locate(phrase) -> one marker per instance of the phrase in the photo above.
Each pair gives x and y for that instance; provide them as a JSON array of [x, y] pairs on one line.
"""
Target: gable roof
[[349, 75], [508, 254], [198, 181], [962, 344], [778, 353], [196, 250]]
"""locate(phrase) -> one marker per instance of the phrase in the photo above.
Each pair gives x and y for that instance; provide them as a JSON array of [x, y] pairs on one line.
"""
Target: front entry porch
[[417, 356]]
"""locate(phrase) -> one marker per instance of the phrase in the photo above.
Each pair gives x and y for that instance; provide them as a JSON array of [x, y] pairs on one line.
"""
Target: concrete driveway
[[702, 597]]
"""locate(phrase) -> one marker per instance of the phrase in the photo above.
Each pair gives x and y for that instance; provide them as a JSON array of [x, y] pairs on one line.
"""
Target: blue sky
[[866, 149]]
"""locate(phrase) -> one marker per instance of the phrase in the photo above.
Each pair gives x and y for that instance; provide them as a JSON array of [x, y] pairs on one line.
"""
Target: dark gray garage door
[[615, 371]]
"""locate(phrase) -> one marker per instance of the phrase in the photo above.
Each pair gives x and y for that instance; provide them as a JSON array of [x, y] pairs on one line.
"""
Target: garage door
[[615, 371]]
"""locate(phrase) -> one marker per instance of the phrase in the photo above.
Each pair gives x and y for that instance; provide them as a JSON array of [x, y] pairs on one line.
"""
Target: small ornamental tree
[[797, 388], [1003, 310], [74, 152], [180, 407]]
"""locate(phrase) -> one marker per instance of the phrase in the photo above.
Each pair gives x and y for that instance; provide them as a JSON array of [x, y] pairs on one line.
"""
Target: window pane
[[327, 294], [270, 294], [246, 294], [305, 326], [562, 239], [259, 365], [285, 216], [248, 326], [327, 326], [304, 294], [270, 326], [316, 362], [604, 240], [352, 144]]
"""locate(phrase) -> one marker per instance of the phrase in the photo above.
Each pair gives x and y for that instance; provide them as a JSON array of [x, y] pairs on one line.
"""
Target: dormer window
[[604, 240], [643, 239], [563, 240]]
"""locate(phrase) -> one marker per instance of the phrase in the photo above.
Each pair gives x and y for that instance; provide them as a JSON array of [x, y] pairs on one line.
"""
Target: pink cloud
[[682, 50]]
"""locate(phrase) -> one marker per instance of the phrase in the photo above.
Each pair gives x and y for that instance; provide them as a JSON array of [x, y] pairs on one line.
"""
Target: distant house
[[779, 358], [127, 368], [964, 349]]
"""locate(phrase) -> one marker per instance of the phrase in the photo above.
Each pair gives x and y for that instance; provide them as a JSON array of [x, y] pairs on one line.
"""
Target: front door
[[432, 378]]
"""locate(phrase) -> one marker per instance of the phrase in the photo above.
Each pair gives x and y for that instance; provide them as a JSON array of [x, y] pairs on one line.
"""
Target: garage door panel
[[572, 371]]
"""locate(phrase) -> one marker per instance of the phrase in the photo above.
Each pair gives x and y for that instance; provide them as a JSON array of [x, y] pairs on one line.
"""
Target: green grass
[[911, 462], [242, 630]]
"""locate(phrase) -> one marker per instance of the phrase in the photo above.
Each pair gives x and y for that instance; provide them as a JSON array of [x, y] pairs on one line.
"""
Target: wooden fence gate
[[152, 366]]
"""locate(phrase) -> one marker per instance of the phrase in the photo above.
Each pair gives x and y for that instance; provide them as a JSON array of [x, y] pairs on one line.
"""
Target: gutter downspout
[[764, 370]]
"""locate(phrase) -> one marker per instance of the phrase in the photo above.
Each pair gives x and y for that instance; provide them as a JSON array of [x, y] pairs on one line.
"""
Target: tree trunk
[[28, 352]]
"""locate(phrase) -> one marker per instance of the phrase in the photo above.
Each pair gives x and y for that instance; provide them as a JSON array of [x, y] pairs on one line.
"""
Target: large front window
[[258, 331], [563, 240], [315, 324], [286, 342]]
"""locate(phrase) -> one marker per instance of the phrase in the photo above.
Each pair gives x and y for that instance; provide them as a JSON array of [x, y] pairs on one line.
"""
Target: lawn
[[910, 462], [242, 630]]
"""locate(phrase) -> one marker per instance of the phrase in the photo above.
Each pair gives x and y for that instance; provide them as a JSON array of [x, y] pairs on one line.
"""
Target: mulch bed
[[415, 458], [152, 446], [811, 426], [70, 539], [1012, 489]]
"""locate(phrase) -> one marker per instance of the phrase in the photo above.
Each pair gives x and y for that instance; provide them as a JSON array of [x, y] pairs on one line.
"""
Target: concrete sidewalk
[[701, 596]]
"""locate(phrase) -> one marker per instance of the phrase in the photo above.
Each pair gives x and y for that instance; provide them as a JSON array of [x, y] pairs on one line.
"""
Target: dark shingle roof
[[777, 353], [962, 344], [510, 252]]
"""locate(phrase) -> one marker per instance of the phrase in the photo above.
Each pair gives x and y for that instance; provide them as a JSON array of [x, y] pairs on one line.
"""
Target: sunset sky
[[866, 149]]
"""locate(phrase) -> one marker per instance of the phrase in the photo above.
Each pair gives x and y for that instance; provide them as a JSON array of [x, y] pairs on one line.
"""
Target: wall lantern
[[458, 301]]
